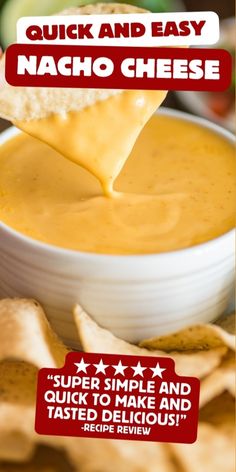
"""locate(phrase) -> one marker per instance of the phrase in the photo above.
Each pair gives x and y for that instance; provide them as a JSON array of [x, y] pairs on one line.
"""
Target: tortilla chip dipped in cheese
[[93, 128]]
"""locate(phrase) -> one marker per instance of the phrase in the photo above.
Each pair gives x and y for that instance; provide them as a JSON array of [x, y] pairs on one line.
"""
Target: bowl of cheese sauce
[[147, 246]]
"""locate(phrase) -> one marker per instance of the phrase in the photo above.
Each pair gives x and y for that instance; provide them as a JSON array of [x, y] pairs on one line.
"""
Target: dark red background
[[185, 432], [117, 80]]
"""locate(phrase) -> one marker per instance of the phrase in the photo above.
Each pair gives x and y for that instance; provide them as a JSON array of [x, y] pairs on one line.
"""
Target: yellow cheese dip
[[99, 137], [177, 190]]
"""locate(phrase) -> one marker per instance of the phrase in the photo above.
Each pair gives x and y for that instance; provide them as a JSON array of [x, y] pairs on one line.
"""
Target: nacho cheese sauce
[[177, 189], [100, 137]]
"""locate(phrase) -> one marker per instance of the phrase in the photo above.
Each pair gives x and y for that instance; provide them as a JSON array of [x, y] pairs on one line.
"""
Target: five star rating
[[138, 369], [118, 396]]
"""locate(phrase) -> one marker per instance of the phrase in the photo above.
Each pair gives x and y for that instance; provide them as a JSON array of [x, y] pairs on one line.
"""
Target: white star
[[81, 366], [100, 367], [157, 371], [138, 370], [119, 368]]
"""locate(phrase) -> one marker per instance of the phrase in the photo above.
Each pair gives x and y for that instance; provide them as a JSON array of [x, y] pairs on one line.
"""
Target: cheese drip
[[99, 138]]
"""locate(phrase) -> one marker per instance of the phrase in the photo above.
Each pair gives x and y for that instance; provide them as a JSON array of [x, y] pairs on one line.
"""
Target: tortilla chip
[[106, 455], [17, 400], [45, 459], [212, 452], [17, 383], [15, 446], [220, 380], [103, 9], [220, 412], [50, 460], [26, 334], [96, 339], [26, 344], [17, 409], [33, 343], [202, 336], [31, 103]]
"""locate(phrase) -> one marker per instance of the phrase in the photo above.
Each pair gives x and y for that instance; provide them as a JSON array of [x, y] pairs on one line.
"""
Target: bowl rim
[[47, 248]]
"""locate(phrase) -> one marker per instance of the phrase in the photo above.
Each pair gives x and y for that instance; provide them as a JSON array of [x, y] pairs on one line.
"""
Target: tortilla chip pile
[[27, 343]]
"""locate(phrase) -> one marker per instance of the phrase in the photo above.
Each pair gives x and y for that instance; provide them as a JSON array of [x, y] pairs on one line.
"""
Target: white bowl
[[133, 296]]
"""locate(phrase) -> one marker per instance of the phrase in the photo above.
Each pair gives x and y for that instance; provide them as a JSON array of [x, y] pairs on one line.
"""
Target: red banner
[[118, 67], [117, 397]]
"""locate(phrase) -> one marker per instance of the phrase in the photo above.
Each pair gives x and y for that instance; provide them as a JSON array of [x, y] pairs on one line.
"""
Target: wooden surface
[[224, 8]]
